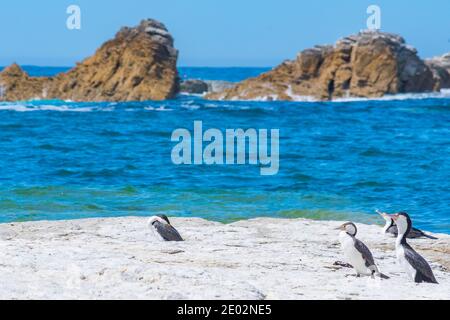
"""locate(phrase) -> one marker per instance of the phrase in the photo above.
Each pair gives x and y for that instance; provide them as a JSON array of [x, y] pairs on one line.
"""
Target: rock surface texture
[[441, 70], [193, 86], [120, 258], [138, 64], [369, 64]]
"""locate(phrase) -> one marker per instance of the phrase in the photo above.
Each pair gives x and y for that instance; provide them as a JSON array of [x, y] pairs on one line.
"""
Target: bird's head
[[349, 228], [403, 222], [158, 218], [164, 217]]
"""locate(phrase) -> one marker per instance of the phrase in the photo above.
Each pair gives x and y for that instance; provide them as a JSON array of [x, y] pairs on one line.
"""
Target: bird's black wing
[[365, 252], [416, 233], [424, 272], [167, 232], [412, 234]]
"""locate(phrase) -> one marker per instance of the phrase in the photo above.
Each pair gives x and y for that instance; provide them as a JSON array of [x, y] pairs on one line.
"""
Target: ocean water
[[338, 160]]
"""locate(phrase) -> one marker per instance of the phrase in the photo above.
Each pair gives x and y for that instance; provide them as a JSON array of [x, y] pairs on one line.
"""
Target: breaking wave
[[31, 108], [443, 94]]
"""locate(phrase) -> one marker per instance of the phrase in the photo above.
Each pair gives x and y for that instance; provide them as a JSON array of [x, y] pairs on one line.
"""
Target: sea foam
[[57, 108], [443, 94]]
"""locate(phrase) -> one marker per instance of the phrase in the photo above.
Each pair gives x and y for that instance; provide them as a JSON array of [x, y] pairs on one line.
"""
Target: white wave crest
[[62, 108], [443, 94], [296, 97], [160, 109]]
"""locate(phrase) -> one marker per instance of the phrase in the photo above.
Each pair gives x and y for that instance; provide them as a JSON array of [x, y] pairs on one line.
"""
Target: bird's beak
[[383, 214], [340, 228]]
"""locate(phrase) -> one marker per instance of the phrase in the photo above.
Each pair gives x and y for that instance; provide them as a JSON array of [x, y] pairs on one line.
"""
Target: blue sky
[[213, 32]]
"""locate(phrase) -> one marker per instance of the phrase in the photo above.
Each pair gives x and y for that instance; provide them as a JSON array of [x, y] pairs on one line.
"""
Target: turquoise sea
[[338, 160]]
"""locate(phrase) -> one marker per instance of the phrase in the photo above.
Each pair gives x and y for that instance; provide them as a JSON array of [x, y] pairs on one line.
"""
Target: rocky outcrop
[[441, 70], [369, 64], [15, 84], [138, 64], [193, 86]]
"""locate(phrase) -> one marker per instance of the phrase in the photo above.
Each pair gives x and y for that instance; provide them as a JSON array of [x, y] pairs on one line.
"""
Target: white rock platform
[[119, 258]]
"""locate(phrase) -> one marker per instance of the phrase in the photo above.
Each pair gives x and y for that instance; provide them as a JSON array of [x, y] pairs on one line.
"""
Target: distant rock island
[[369, 64], [138, 64], [141, 64]]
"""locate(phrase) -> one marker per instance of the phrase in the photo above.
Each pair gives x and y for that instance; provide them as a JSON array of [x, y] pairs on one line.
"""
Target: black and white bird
[[414, 264], [390, 228], [162, 228], [357, 253]]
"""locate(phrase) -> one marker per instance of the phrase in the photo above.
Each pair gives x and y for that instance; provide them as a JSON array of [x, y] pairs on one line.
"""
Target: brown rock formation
[[138, 64], [369, 64], [441, 70], [15, 84]]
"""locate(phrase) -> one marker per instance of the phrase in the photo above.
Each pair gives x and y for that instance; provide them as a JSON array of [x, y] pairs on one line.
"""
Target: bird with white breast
[[357, 253]]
